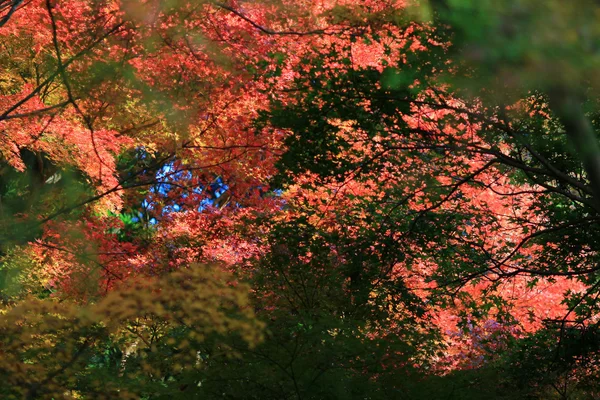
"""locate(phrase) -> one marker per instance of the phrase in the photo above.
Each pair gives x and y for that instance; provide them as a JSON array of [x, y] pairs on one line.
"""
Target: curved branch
[[267, 30]]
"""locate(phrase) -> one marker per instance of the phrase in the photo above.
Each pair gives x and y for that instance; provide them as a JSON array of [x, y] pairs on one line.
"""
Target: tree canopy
[[299, 199]]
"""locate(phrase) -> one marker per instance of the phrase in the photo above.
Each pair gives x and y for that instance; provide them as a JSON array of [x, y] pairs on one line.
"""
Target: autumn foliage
[[297, 200]]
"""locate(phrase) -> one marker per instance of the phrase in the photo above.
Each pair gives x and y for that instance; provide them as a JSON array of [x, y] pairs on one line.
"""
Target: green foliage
[[326, 337], [136, 342]]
